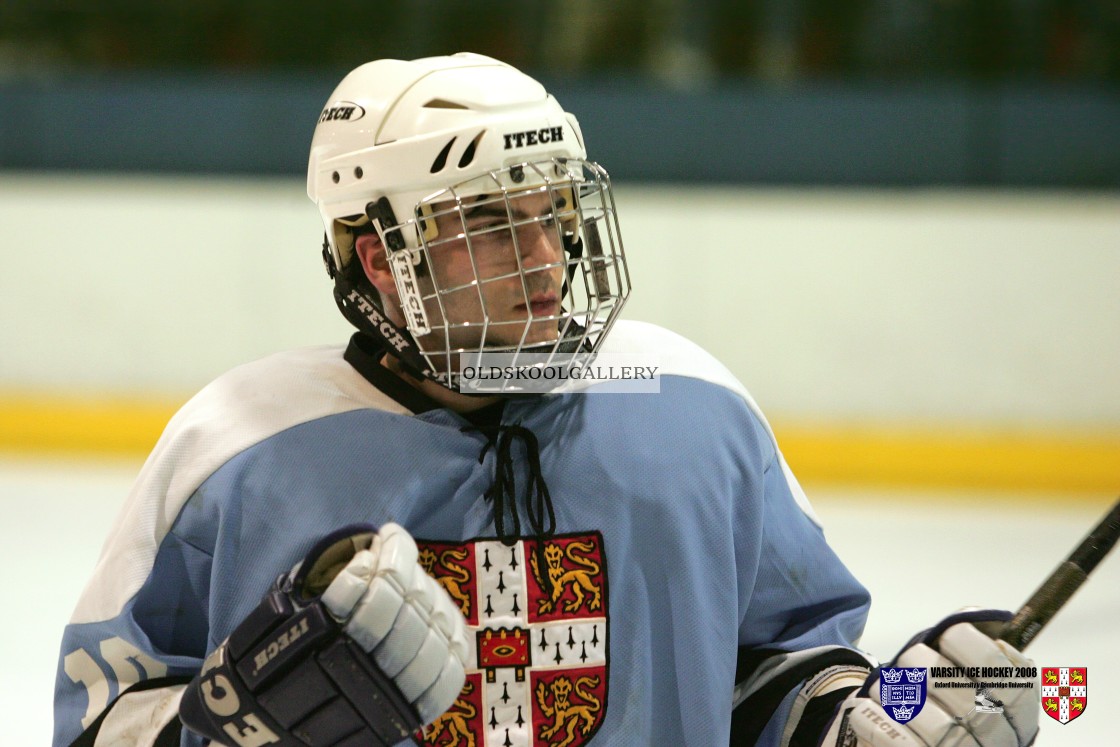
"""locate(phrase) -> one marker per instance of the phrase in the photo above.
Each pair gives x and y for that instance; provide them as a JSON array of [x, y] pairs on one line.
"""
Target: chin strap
[[363, 311]]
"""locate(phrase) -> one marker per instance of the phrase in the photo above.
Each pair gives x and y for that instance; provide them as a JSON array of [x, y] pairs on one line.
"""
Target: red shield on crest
[[537, 620], [1064, 690]]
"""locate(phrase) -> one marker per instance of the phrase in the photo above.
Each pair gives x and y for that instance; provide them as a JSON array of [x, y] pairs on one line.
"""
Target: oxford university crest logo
[[537, 622], [902, 691], [1064, 692]]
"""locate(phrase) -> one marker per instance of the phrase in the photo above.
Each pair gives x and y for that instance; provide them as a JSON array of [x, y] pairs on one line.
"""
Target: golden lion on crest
[[566, 715], [452, 726], [457, 575], [576, 579]]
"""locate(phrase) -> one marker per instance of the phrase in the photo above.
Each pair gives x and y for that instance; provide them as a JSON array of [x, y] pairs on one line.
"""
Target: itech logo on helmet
[[533, 137], [342, 110]]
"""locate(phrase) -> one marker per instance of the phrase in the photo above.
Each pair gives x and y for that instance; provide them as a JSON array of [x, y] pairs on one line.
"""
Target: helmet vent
[[444, 104], [468, 153], [441, 159]]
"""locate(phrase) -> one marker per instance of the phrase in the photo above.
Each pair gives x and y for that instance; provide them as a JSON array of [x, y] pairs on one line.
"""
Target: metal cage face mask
[[526, 259]]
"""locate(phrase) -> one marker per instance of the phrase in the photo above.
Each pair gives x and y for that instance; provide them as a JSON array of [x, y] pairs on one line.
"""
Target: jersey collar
[[364, 353]]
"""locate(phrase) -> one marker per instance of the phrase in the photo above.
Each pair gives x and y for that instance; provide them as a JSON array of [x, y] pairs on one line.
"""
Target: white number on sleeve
[[129, 665]]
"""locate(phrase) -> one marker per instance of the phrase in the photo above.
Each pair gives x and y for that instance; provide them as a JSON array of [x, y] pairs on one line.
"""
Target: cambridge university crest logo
[[1064, 692], [537, 623]]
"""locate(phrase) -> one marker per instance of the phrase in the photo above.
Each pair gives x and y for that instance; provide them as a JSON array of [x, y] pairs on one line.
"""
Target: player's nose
[[539, 246]]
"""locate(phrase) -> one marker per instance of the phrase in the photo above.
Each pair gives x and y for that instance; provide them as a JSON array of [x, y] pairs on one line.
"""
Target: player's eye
[[486, 222]]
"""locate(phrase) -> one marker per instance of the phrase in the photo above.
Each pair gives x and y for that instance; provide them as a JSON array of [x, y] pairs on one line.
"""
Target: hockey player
[[343, 545]]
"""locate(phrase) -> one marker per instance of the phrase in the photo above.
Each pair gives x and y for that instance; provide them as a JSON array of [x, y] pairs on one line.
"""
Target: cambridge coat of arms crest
[[1064, 692], [537, 616]]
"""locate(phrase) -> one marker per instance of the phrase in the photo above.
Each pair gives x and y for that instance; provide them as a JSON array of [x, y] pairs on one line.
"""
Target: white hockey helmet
[[400, 143]]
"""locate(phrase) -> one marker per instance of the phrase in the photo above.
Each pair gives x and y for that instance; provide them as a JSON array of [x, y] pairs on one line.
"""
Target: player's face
[[508, 277]]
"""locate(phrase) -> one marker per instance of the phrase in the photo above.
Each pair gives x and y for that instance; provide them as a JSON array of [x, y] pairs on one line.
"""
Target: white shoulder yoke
[[241, 408]]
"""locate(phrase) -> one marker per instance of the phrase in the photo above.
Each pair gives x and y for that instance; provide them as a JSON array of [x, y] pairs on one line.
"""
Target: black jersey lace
[[503, 492]]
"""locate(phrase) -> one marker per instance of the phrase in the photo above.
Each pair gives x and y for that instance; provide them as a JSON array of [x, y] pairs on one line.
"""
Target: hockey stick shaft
[[1056, 590]]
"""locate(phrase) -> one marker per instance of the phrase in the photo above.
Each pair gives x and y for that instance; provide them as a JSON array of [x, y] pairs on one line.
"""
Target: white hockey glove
[[950, 717], [356, 645]]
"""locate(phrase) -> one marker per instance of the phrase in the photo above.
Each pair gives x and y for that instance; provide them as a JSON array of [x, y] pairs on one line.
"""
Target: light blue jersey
[[682, 546]]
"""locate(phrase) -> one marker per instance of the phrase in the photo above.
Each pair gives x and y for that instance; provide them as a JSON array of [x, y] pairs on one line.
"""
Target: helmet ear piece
[[328, 258], [343, 243], [429, 231], [380, 214], [361, 305]]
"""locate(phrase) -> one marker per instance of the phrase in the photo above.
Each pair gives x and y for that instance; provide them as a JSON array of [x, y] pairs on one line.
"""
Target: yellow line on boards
[[914, 457], [94, 426], [971, 457]]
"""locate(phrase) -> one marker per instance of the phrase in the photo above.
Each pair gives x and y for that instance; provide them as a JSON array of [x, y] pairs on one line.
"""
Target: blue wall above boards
[[842, 134]]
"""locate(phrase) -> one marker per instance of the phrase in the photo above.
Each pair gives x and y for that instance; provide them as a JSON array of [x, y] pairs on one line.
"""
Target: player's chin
[[543, 331]]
